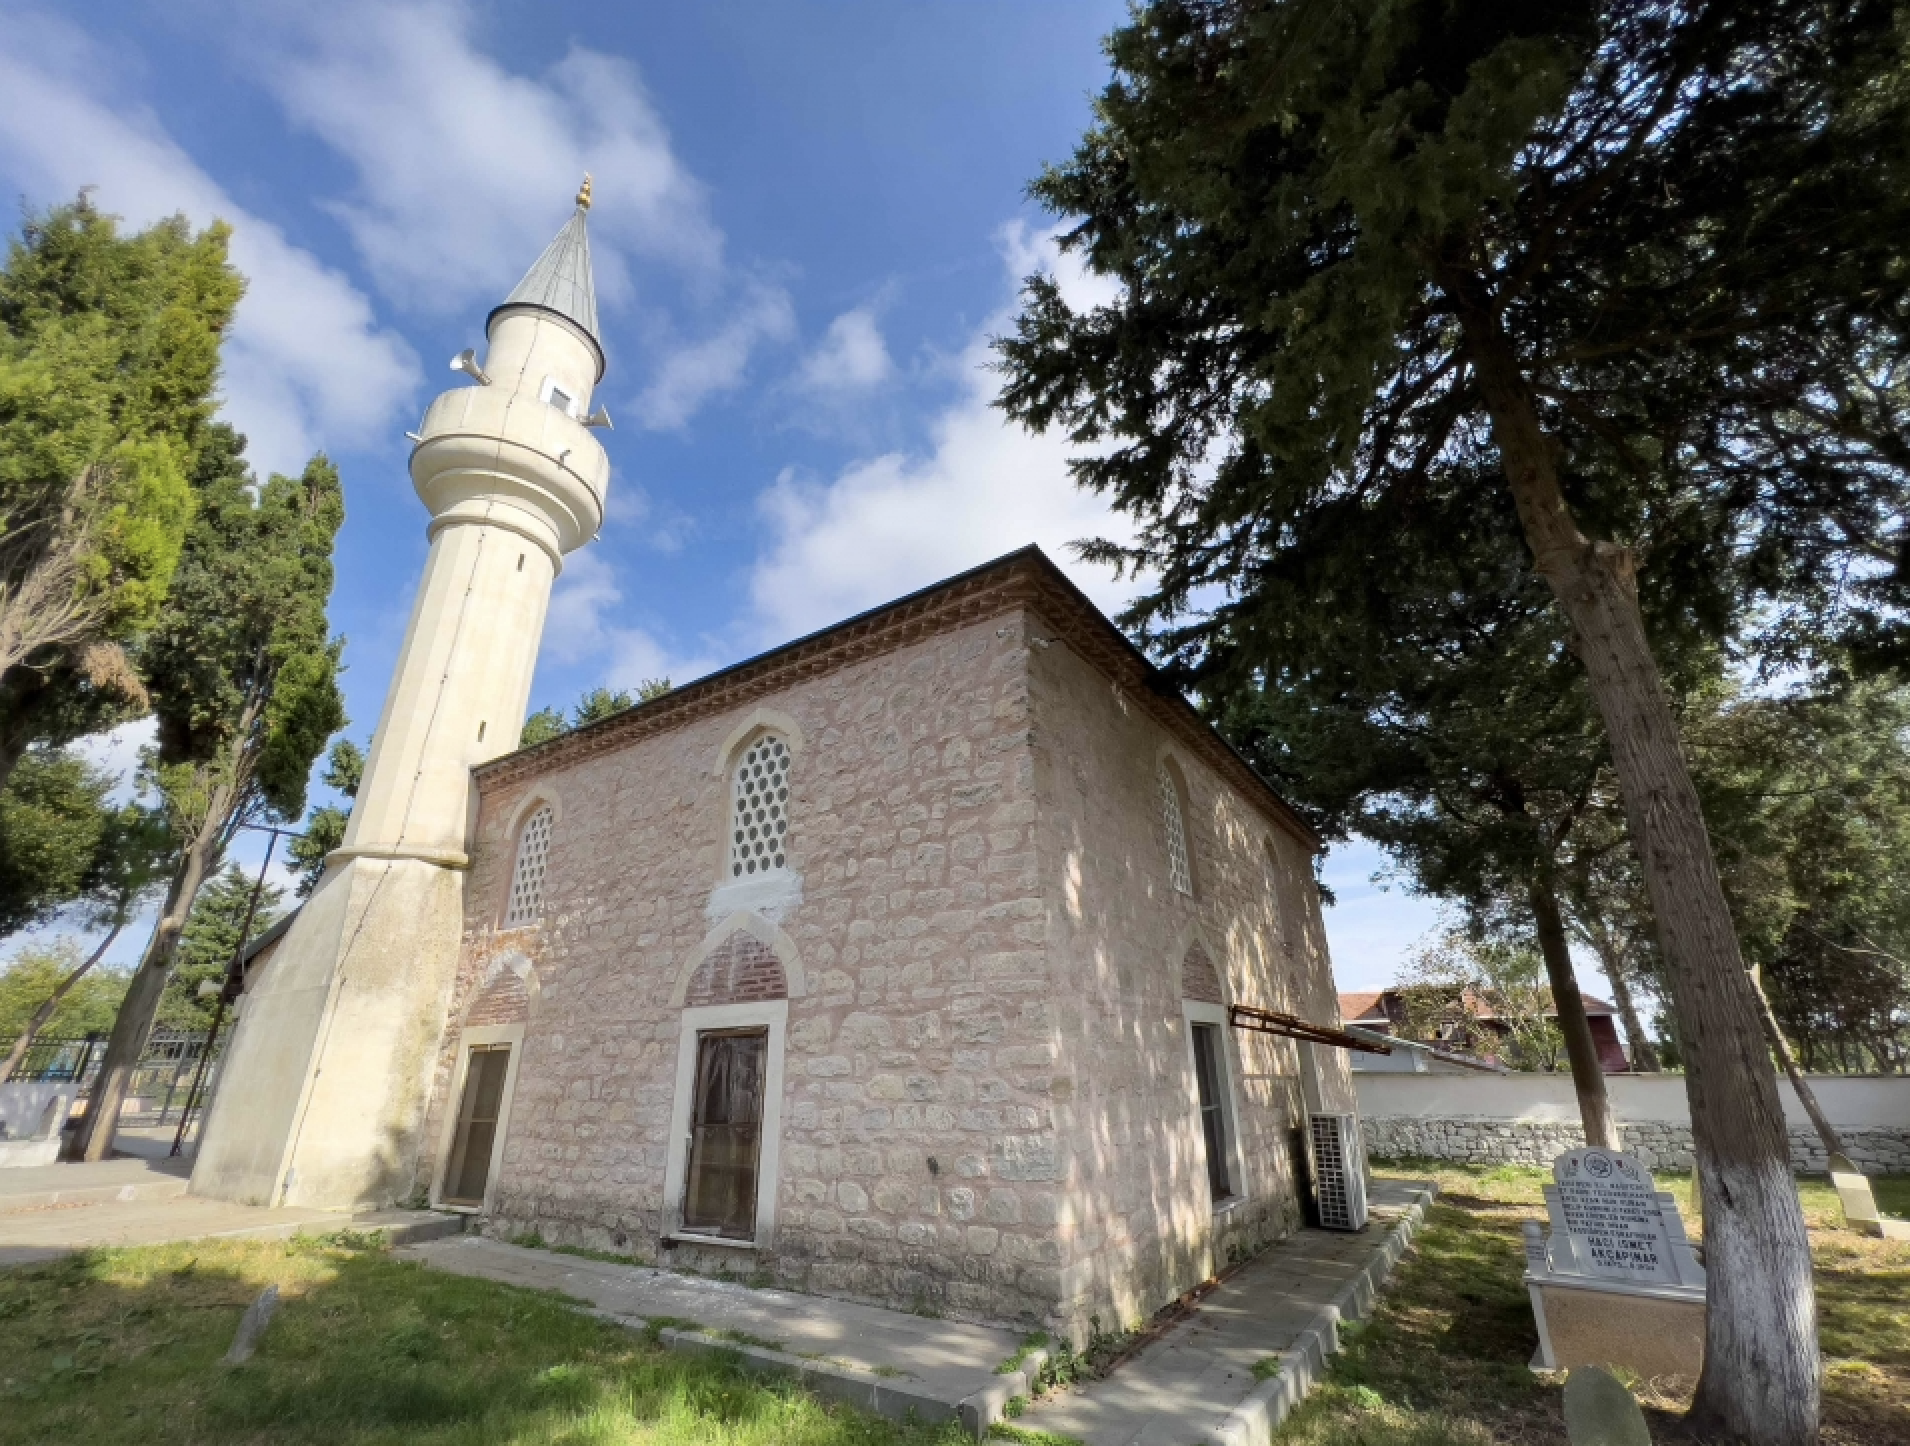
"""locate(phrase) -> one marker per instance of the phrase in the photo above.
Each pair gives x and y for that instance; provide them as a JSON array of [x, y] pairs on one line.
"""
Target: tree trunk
[[1761, 1381], [1588, 1075], [134, 1022], [1597, 933], [1644, 1054], [1781, 1047], [46, 1010]]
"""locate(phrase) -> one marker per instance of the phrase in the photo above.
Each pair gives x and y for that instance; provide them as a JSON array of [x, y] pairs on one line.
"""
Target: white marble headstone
[[1610, 1221]]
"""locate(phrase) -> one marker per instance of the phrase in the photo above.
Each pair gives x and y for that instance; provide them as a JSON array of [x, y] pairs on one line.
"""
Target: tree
[[1809, 794], [244, 675], [32, 977], [53, 813], [109, 355], [132, 854], [213, 934], [599, 702], [1638, 264], [1460, 971], [1453, 729], [325, 826]]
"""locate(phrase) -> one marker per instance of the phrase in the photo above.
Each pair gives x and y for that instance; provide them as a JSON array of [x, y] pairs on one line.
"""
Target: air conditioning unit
[[1340, 1181]]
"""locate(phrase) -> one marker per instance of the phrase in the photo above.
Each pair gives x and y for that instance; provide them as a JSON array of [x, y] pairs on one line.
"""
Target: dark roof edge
[[270, 936], [1156, 682]]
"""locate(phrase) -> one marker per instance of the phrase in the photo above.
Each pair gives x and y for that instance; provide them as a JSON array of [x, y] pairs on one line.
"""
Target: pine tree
[[208, 942], [1453, 729], [1634, 271], [244, 675]]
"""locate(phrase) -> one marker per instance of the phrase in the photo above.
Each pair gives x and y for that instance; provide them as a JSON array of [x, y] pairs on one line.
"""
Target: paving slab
[[62, 1208], [887, 1361], [1197, 1383], [91, 1182]]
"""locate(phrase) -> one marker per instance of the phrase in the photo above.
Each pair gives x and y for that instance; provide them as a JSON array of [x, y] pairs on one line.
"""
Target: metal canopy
[[1272, 1021]]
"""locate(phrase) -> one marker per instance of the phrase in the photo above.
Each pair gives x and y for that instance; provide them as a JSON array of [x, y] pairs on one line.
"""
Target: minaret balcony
[[481, 449]]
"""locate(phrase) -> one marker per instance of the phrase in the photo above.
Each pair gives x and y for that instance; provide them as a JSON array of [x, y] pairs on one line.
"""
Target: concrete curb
[[990, 1404], [429, 1225], [886, 1396], [1252, 1421]]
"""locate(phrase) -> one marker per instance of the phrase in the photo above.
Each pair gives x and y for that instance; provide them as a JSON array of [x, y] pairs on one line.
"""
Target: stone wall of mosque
[[917, 1162], [1135, 958]]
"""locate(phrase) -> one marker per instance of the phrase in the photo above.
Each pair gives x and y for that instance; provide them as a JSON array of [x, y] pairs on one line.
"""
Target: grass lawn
[[1442, 1360], [125, 1346]]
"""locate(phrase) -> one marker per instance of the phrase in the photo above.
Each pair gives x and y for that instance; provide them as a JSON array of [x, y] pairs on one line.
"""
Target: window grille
[[1177, 868], [527, 879], [759, 810]]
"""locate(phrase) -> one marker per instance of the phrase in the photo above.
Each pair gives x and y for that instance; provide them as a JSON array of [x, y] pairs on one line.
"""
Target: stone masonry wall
[[1139, 1224], [919, 1162], [1660, 1145]]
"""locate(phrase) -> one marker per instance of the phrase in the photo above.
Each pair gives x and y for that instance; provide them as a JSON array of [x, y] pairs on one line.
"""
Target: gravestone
[[1860, 1202], [1599, 1411], [1616, 1283]]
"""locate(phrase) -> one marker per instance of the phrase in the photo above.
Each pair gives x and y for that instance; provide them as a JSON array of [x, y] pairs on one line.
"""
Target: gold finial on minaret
[[583, 193]]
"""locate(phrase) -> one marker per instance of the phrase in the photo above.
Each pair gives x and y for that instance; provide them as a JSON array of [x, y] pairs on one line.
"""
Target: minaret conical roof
[[561, 282]]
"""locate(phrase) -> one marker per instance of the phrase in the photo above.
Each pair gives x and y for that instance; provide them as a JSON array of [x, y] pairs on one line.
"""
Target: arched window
[[759, 809], [527, 879], [1173, 820]]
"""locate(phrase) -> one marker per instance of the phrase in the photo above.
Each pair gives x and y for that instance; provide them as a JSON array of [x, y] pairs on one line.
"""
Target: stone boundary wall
[[1527, 1119], [1661, 1146]]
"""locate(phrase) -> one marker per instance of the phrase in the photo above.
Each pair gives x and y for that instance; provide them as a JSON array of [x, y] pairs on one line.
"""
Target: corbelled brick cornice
[[1024, 580]]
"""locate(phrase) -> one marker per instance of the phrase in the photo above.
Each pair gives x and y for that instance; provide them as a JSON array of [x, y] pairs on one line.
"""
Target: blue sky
[[810, 219]]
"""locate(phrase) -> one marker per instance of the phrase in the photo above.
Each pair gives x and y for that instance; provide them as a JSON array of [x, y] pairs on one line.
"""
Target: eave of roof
[[1025, 578]]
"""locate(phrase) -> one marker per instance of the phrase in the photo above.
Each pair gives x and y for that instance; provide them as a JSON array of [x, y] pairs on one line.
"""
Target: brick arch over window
[[744, 959], [503, 1001], [1199, 979], [506, 995], [740, 970]]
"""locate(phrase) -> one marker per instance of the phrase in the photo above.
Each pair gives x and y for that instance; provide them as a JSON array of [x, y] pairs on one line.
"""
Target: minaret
[[322, 1095]]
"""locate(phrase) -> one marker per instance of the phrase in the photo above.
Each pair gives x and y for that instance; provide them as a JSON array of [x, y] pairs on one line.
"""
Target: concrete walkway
[[49, 1210], [1195, 1383], [885, 1361]]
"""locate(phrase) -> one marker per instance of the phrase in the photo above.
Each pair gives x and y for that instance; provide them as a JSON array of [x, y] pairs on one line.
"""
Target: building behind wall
[[893, 964]]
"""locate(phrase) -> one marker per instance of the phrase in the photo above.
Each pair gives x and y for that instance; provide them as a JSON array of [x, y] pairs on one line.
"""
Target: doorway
[[726, 1133], [480, 1117]]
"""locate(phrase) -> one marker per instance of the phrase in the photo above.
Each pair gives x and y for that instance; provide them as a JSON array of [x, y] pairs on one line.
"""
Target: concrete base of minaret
[[322, 1094]]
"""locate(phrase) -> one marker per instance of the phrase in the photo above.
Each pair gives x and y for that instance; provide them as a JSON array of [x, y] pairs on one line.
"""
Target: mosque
[[907, 962]]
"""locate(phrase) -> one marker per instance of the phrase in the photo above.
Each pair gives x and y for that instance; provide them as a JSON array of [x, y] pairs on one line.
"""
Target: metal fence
[[161, 1080]]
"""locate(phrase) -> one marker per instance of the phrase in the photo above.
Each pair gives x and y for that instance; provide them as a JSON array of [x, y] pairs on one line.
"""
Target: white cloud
[[581, 626], [896, 522], [117, 753], [691, 374], [465, 168], [851, 358], [306, 363]]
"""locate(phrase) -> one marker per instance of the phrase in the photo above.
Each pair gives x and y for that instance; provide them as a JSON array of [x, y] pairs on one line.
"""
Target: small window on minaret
[[559, 398]]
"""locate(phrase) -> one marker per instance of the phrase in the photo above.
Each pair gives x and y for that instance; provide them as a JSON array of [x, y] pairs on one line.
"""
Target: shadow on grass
[[125, 1346]]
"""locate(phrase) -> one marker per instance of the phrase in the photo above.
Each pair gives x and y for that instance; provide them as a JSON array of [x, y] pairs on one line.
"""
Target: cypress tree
[[244, 676]]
